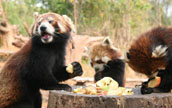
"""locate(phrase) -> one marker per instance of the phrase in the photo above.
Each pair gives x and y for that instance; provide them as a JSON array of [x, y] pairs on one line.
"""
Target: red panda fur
[[106, 60], [140, 52], [10, 91]]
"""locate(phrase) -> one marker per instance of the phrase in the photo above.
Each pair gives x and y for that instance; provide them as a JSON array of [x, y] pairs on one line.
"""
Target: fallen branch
[[27, 29], [20, 41], [4, 29]]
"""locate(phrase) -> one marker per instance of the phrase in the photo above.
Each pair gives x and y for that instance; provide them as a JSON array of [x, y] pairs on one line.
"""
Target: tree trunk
[[7, 31], [62, 99]]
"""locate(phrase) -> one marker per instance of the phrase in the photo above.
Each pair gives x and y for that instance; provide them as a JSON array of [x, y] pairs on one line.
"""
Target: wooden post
[[75, 13], [159, 13]]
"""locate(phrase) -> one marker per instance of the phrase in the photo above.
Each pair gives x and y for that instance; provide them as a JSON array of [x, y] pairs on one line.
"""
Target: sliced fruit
[[69, 68]]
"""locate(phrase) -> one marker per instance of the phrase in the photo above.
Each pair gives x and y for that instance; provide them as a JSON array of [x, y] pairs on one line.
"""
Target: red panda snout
[[46, 31], [99, 63], [52, 26]]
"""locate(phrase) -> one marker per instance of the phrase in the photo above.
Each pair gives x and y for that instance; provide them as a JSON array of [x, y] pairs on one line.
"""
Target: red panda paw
[[146, 90], [77, 69]]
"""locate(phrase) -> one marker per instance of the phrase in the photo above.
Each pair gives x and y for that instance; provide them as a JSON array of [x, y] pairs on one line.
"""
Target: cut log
[[63, 99]]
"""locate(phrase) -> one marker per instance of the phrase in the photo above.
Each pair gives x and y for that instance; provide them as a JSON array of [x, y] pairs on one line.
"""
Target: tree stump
[[63, 99]]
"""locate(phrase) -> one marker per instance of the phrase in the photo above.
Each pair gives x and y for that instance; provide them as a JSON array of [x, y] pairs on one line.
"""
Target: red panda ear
[[36, 15], [33, 27], [107, 41], [70, 23], [126, 57], [159, 51], [86, 51]]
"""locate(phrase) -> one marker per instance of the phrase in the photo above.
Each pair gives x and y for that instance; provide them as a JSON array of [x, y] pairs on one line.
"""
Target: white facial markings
[[49, 28], [50, 18], [62, 28], [99, 67], [159, 51], [96, 58], [105, 59]]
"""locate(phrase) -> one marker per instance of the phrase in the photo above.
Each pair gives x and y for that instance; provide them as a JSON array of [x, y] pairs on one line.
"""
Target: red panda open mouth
[[45, 36]]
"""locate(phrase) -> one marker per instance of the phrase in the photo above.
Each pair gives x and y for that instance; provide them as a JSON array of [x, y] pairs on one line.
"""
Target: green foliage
[[57, 6], [19, 11], [107, 15], [94, 17]]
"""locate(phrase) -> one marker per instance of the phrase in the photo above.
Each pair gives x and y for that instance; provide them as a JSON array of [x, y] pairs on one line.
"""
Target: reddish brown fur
[[99, 50], [9, 86], [140, 52], [116, 69], [56, 19], [10, 83]]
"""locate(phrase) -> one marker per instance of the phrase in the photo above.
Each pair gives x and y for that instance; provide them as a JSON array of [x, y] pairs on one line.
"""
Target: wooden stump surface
[[63, 99]]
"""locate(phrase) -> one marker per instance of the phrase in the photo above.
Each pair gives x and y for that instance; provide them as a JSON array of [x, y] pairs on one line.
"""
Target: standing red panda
[[151, 54], [40, 64], [105, 59]]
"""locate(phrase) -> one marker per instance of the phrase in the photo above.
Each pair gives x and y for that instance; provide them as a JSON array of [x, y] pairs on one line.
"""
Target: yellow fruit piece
[[69, 68], [79, 90], [153, 83], [105, 86], [117, 92], [106, 83], [91, 90], [127, 92]]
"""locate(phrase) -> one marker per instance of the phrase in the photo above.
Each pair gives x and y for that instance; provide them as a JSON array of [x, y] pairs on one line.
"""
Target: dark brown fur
[[9, 86], [140, 58], [140, 52]]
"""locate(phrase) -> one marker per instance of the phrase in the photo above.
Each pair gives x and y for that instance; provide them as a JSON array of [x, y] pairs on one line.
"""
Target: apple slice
[[69, 68]]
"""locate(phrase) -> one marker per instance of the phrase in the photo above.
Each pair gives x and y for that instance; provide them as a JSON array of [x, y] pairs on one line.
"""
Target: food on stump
[[105, 86]]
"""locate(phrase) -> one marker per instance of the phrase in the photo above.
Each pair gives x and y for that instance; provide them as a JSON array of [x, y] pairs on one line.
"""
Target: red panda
[[40, 64], [105, 59], [151, 55]]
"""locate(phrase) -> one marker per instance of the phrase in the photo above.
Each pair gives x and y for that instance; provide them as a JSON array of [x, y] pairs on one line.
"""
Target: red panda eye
[[51, 21], [99, 62], [57, 29], [91, 64], [39, 23]]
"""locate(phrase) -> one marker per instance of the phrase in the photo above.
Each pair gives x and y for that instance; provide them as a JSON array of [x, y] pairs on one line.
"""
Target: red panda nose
[[96, 69], [43, 28]]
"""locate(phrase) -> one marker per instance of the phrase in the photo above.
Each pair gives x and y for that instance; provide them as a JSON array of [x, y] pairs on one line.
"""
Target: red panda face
[[51, 25], [101, 53]]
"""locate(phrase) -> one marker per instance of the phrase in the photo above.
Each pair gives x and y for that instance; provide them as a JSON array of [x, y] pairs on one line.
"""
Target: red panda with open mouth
[[51, 26], [151, 55], [106, 60], [40, 64]]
